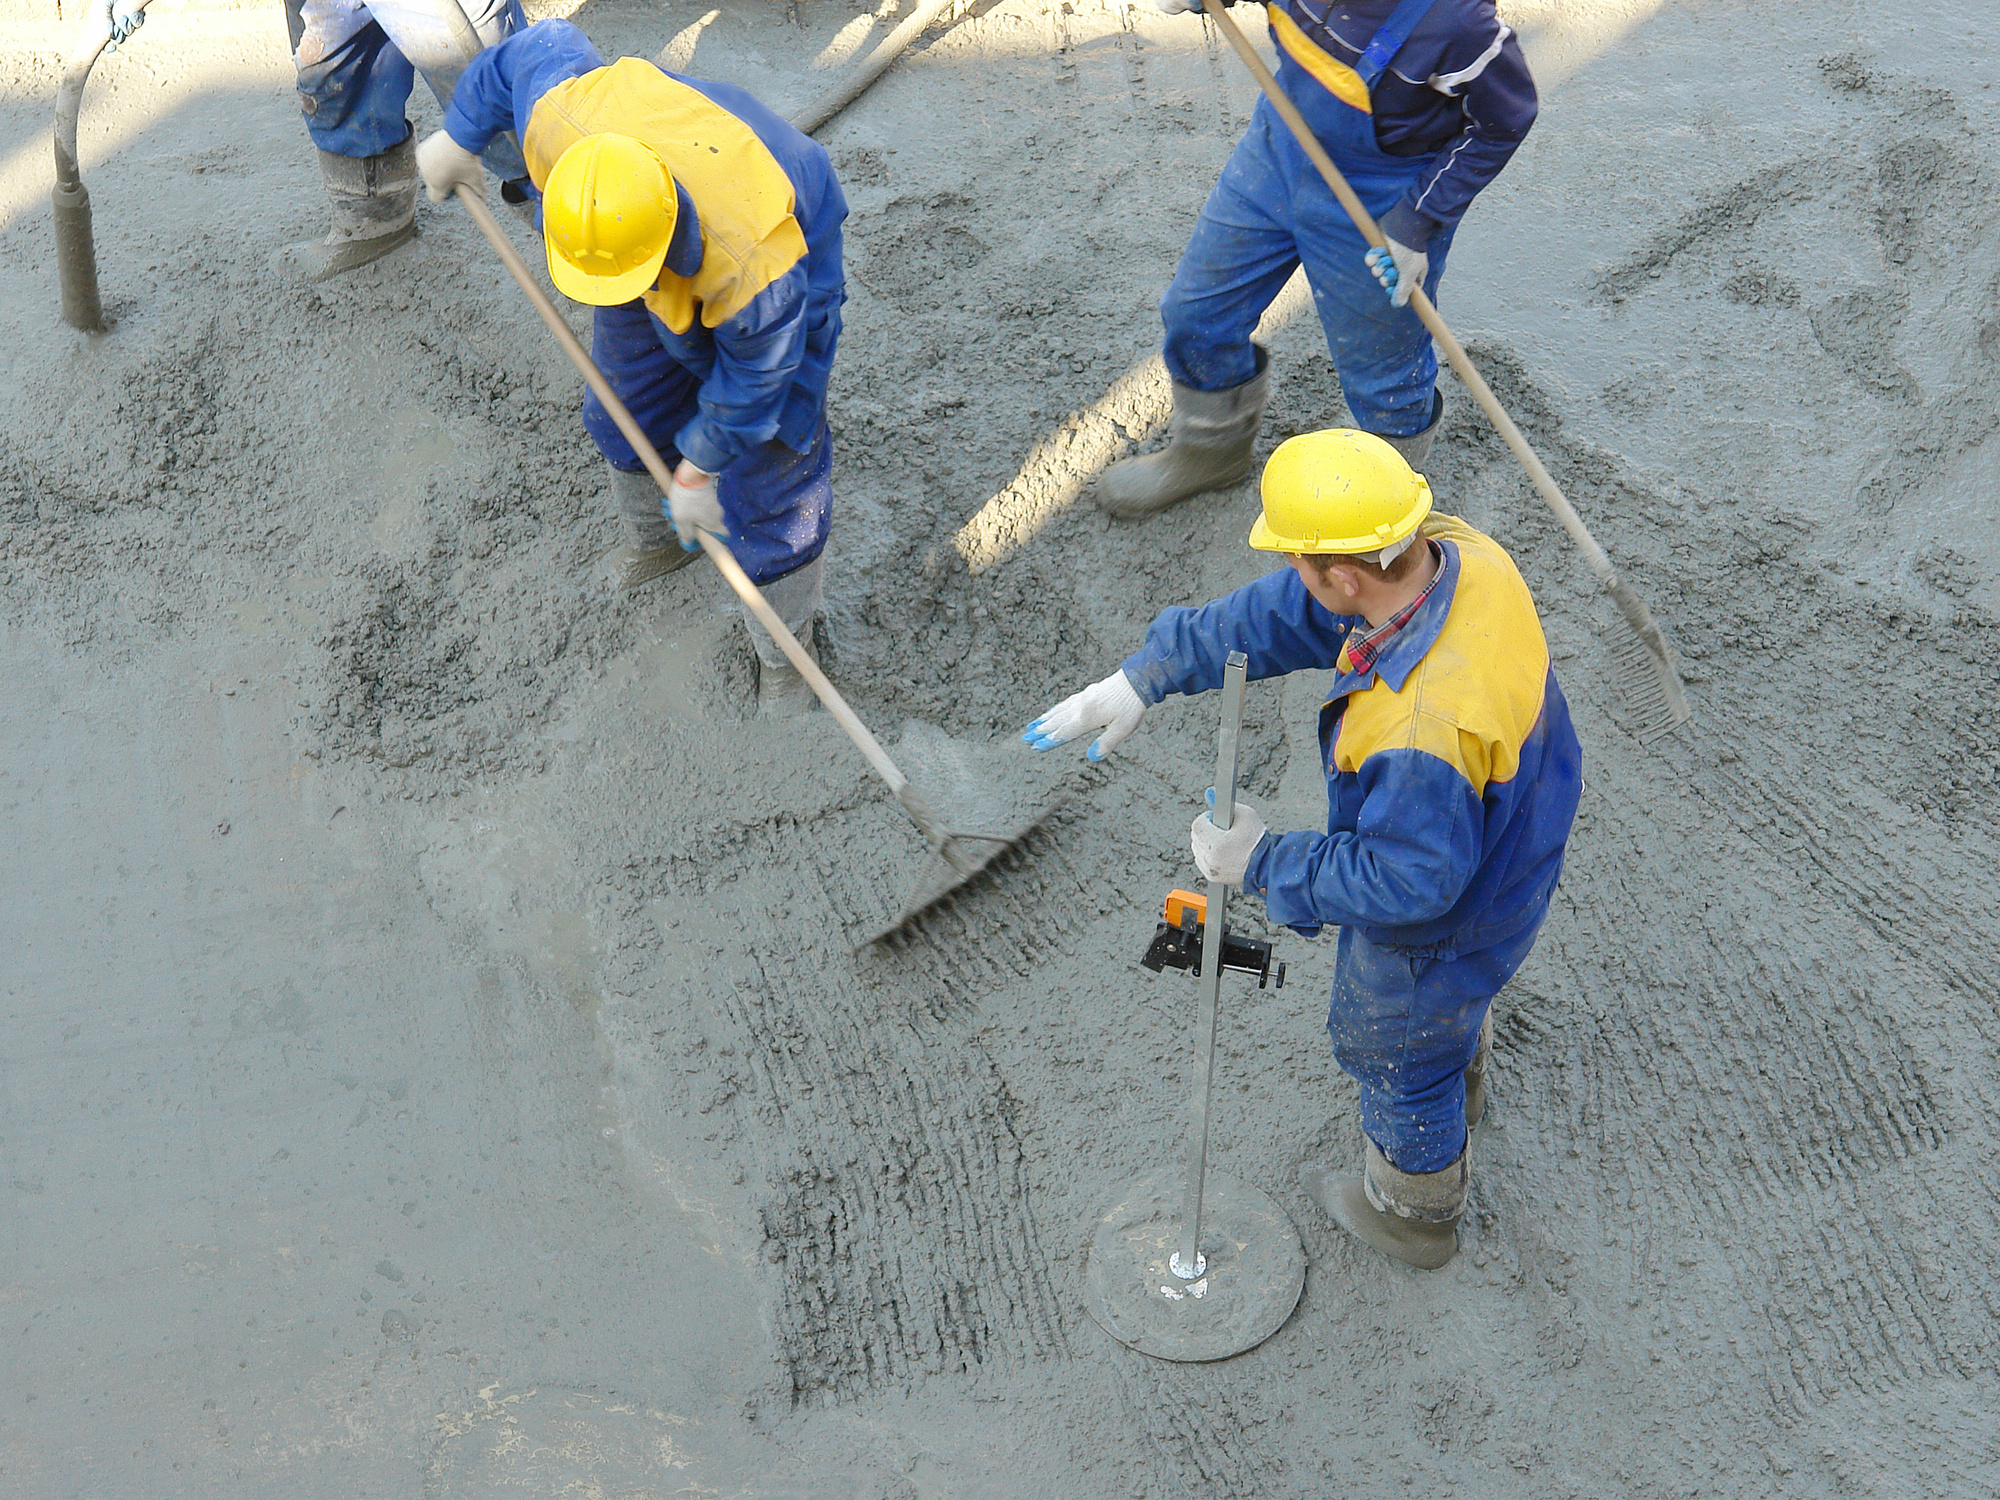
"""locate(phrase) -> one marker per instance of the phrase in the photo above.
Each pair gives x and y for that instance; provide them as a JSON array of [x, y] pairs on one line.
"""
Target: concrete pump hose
[[76, 249], [69, 95], [834, 100]]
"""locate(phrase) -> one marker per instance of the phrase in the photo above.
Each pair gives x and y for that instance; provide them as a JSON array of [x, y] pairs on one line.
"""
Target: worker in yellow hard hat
[[706, 232], [1452, 777]]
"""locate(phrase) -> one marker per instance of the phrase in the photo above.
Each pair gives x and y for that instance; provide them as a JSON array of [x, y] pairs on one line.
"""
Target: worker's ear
[[1345, 578]]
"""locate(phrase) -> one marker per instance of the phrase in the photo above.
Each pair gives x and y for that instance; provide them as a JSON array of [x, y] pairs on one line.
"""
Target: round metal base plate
[[1255, 1269]]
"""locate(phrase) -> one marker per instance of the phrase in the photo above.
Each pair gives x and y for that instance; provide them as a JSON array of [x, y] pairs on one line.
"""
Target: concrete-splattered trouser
[[706, 231], [1420, 104], [357, 61]]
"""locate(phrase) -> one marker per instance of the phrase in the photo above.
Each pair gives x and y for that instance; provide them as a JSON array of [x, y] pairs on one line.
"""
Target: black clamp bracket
[[1177, 944]]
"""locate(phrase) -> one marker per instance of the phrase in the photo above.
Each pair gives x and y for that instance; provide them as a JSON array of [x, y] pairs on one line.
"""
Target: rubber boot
[[1416, 448], [1409, 1216], [1475, 1073], [797, 597], [1209, 449], [651, 550], [782, 690], [374, 204]]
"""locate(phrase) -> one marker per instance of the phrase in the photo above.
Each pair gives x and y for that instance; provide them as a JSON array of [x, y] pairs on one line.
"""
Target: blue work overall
[[1270, 212], [777, 502], [1405, 1024]]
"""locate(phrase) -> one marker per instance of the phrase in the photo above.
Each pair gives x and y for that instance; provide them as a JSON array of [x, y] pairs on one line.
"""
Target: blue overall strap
[[1403, 20]]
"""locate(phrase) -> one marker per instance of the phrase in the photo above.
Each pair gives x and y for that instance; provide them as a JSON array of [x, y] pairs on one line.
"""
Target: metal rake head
[[1649, 673]]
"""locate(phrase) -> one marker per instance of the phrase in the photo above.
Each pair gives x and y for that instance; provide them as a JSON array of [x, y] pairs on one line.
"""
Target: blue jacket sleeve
[[1412, 852], [1499, 105], [1273, 621], [757, 354], [500, 87]]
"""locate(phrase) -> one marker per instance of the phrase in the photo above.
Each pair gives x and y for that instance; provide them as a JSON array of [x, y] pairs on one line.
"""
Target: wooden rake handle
[[718, 551], [1421, 304]]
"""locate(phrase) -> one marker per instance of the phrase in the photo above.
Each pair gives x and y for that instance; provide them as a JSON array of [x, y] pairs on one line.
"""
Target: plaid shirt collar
[[1359, 655]]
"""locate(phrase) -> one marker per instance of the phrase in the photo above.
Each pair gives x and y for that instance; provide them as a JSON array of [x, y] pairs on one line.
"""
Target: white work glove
[[1113, 706], [1224, 853], [691, 503], [118, 19], [1400, 270], [1176, 7], [444, 164]]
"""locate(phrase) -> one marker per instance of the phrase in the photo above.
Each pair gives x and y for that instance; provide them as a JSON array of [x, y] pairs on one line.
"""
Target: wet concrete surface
[[436, 1062], [292, 1167]]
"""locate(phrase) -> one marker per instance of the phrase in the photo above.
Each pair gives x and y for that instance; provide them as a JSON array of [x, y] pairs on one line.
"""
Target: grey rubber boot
[[1209, 449], [1475, 1073], [782, 690], [651, 549], [374, 204], [1409, 1216], [1416, 448]]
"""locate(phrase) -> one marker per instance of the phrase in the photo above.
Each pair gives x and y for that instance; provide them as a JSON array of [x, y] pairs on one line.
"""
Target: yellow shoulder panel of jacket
[[1330, 72], [743, 197], [1477, 694]]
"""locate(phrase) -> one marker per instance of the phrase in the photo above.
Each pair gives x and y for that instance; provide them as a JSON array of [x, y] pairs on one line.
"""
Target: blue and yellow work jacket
[[749, 299], [1444, 80], [1452, 770]]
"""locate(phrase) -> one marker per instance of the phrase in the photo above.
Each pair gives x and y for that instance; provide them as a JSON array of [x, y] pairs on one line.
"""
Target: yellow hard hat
[[1339, 491], [608, 211]]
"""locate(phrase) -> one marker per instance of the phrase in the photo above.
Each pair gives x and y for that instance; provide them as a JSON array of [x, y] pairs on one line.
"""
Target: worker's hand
[[1224, 853], [1112, 706], [444, 165], [119, 19], [692, 504], [1400, 269], [1181, 7]]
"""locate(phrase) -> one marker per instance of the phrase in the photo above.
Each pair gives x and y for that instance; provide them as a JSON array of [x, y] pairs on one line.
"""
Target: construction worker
[[1420, 104], [1452, 776], [357, 61], [706, 232]]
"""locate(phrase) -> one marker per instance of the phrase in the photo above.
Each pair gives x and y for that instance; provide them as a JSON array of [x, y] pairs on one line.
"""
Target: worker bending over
[[706, 232], [1452, 776], [1420, 104]]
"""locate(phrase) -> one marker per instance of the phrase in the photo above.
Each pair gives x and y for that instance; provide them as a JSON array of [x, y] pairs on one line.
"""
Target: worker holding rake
[[706, 232], [1420, 103], [1452, 777]]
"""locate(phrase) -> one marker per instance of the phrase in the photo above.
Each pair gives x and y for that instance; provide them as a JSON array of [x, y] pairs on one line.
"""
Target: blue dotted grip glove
[[1400, 270], [119, 19], [1112, 706]]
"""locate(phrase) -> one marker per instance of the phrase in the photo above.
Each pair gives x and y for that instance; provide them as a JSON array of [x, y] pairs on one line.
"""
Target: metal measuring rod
[[1190, 1264]]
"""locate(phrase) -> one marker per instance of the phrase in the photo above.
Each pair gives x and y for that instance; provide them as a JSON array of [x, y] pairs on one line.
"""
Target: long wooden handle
[[718, 550], [1482, 393]]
